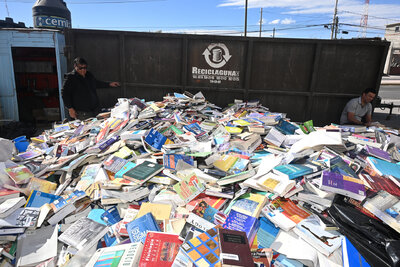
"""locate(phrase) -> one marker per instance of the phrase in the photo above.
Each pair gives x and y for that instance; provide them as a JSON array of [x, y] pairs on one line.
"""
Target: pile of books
[[183, 182]]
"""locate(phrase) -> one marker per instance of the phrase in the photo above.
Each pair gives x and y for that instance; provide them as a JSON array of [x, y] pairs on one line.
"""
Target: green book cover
[[143, 172], [189, 188]]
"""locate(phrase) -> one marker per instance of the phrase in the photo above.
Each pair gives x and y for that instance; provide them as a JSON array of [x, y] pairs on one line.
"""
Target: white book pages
[[294, 247], [316, 140], [37, 245]]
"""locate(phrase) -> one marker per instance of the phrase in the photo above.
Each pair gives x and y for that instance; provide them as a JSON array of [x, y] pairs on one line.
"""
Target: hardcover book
[[203, 250], [138, 228], [117, 256], [160, 249], [234, 248], [143, 172], [344, 185]]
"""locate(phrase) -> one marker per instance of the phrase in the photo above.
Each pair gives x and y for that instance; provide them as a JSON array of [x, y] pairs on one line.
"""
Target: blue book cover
[[384, 167], [128, 166], [267, 233], [37, 199], [171, 160], [294, 170], [155, 139], [138, 228], [351, 256], [111, 216], [242, 222], [194, 128], [286, 127]]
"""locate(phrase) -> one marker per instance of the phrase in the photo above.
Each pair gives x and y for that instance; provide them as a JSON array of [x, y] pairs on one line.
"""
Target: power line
[[355, 13]]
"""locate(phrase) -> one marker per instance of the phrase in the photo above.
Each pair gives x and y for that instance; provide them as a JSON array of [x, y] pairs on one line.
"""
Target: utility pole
[[336, 26], [273, 33], [245, 20], [261, 22], [334, 20]]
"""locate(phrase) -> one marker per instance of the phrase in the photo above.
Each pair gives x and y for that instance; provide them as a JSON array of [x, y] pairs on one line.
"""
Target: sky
[[289, 18]]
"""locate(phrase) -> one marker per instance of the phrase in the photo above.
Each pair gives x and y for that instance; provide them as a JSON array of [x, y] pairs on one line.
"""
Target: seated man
[[358, 110]]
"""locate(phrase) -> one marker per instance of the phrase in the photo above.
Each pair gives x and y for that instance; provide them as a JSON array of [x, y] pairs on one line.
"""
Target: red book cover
[[160, 249], [215, 202], [378, 182], [234, 248]]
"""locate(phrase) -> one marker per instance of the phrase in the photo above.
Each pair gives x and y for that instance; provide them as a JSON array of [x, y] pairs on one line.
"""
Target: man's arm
[[66, 93], [368, 120], [352, 119]]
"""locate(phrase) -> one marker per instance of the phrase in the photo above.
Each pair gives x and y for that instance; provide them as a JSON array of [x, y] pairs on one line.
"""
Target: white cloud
[[288, 21], [276, 21], [349, 11]]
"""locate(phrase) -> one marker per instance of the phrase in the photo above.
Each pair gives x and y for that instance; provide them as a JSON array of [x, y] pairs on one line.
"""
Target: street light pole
[[245, 20]]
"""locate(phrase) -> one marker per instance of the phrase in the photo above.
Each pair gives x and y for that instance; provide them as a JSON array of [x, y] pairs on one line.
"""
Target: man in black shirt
[[79, 91]]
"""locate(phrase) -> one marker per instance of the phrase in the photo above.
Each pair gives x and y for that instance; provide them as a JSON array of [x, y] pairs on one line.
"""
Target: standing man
[[79, 91], [358, 110]]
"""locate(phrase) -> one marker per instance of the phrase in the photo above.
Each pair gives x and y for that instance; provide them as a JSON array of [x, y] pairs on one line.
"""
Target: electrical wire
[[355, 13]]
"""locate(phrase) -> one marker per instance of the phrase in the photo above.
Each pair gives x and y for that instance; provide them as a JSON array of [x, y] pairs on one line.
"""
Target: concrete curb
[[390, 82]]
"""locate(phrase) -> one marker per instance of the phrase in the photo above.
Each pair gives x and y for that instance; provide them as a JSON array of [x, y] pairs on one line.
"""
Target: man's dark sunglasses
[[82, 68]]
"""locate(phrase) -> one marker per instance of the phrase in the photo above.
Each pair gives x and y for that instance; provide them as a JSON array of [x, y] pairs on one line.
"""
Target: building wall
[[392, 34]]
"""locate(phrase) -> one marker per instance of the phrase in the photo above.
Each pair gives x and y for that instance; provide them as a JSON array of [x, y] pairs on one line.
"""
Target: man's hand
[[114, 84], [72, 113]]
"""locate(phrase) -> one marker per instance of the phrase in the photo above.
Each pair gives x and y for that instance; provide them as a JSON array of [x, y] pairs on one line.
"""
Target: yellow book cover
[[250, 204], [124, 152], [159, 211], [225, 162], [233, 130], [241, 123], [41, 185]]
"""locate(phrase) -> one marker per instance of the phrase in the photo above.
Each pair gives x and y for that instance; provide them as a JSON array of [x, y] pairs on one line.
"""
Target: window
[[397, 29]]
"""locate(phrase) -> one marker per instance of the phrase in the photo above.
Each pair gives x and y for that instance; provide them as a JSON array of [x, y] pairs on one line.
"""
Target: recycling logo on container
[[216, 55]]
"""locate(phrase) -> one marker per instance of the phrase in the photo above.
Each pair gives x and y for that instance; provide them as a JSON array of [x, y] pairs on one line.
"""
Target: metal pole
[[261, 22], [334, 20], [245, 20], [273, 33]]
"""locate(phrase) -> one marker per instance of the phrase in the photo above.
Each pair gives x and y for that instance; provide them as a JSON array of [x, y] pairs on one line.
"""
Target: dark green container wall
[[305, 78]]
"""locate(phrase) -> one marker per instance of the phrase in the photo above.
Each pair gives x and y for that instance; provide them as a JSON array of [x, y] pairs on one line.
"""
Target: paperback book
[[143, 172]]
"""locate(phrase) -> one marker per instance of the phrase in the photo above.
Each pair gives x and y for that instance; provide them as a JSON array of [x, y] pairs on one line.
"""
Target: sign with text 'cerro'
[[51, 22], [215, 63]]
